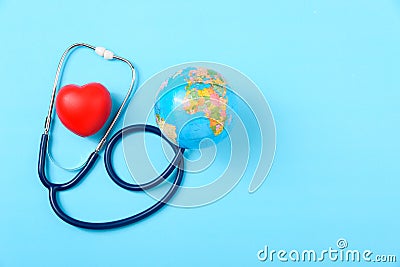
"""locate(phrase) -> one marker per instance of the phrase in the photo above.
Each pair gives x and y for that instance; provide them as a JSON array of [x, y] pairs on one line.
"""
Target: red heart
[[83, 109]]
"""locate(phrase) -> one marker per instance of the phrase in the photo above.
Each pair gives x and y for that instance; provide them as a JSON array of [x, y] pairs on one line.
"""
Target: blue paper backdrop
[[329, 70]]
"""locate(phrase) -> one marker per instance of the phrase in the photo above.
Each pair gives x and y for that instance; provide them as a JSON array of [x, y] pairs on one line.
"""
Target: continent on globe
[[167, 129]]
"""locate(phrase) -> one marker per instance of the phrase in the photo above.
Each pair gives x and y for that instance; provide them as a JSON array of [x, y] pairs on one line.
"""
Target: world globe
[[192, 105]]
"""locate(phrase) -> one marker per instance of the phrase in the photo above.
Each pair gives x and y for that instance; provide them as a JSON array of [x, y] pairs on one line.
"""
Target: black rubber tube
[[176, 164]]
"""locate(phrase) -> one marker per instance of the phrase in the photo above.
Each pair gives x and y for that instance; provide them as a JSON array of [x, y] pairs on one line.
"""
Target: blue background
[[329, 70]]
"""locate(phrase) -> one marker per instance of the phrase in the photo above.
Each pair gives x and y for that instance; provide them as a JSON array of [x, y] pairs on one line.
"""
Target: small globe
[[192, 105]]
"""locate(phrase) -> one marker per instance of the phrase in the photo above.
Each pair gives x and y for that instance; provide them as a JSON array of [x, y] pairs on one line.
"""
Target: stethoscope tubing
[[177, 164], [129, 130]]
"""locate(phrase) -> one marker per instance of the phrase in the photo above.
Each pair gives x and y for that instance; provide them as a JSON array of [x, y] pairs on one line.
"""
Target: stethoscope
[[177, 162]]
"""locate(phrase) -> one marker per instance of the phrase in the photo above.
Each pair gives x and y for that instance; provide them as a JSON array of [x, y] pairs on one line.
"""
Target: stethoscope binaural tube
[[108, 55], [176, 164]]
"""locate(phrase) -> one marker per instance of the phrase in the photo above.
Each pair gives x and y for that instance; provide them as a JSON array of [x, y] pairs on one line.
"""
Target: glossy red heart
[[83, 109]]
